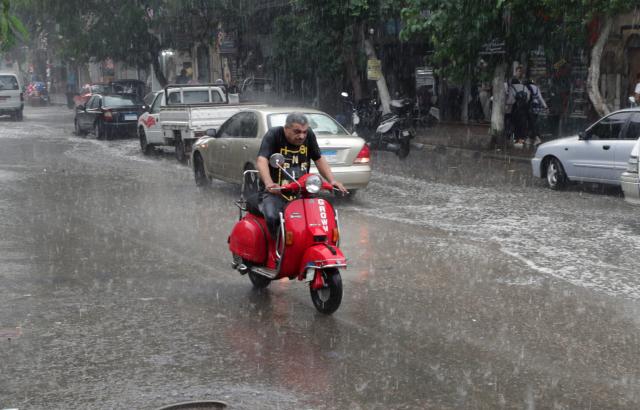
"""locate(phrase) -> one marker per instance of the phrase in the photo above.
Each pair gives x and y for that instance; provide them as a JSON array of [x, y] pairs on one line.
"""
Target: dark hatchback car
[[109, 115]]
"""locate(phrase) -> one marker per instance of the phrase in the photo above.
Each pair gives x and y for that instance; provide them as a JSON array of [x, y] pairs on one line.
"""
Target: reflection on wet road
[[469, 286]]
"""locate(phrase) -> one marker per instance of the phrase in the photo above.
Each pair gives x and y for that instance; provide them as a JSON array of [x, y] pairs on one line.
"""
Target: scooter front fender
[[321, 256]]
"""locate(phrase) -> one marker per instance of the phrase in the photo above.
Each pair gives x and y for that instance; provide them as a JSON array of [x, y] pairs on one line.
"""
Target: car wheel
[[556, 177], [98, 130], [198, 171], [180, 152], [144, 144], [19, 115]]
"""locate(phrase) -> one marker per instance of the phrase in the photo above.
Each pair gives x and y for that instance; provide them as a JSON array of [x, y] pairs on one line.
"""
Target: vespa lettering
[[323, 215]]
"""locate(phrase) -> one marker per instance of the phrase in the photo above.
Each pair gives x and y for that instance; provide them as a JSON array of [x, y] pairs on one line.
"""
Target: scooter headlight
[[313, 184]]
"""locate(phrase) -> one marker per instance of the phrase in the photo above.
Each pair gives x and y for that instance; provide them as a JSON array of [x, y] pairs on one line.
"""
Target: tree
[[133, 32], [11, 28], [576, 16], [307, 39], [460, 31]]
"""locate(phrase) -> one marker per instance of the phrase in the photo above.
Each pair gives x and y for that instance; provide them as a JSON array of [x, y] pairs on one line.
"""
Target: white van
[[11, 96]]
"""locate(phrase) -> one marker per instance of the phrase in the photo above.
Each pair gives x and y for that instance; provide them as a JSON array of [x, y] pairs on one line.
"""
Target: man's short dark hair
[[296, 118]]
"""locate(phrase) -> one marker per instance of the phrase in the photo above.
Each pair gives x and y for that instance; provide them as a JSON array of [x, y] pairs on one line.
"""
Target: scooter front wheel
[[327, 299]]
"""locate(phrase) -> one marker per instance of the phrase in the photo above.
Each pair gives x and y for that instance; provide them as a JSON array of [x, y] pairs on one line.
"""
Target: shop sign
[[374, 71], [493, 47]]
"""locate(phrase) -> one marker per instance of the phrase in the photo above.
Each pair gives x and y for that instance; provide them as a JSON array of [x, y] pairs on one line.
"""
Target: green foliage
[[458, 29], [317, 36], [11, 28]]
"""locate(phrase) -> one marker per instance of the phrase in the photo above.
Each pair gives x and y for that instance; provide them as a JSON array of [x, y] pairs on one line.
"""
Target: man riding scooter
[[298, 144]]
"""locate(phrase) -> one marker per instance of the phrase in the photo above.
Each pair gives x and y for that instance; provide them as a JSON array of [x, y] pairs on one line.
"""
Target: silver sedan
[[234, 147], [599, 154]]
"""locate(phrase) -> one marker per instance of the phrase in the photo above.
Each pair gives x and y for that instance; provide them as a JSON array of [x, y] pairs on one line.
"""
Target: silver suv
[[11, 96]]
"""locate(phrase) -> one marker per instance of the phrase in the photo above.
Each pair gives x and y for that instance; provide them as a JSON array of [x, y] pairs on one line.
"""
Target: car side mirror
[[582, 135], [211, 132], [81, 107]]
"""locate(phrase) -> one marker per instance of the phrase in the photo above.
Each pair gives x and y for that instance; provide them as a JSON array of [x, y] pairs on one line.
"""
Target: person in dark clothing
[[298, 144], [182, 78]]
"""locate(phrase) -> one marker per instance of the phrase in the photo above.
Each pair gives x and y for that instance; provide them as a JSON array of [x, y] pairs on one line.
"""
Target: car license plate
[[130, 117], [330, 155]]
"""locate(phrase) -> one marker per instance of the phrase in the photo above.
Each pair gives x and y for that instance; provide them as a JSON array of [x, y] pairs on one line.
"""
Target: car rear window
[[9, 82], [196, 97], [321, 124], [119, 101]]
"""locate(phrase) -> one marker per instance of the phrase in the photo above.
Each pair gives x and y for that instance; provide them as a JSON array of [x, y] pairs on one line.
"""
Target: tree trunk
[[383, 91], [593, 80], [352, 72], [497, 110], [466, 96]]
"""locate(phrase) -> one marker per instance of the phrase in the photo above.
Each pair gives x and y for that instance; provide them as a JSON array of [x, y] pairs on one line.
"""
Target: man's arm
[[325, 170], [263, 168]]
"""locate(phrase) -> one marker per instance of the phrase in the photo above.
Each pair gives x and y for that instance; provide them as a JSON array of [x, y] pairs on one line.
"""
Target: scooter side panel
[[249, 239], [296, 225]]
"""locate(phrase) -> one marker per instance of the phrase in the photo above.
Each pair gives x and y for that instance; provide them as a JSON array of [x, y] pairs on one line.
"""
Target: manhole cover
[[196, 405]]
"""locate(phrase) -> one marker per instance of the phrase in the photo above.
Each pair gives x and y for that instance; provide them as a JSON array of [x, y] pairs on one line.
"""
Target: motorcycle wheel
[[259, 281], [327, 300]]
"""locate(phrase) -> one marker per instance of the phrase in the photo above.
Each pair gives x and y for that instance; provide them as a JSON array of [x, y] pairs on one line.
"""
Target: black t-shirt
[[297, 158]]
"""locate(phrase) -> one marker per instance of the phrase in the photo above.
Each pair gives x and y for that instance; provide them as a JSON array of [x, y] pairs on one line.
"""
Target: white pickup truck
[[183, 117]]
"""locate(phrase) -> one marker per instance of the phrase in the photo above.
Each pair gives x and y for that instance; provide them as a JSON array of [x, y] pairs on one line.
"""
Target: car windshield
[[119, 101], [321, 124], [8, 82]]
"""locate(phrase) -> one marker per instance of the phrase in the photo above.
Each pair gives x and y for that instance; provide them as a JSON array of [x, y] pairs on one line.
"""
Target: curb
[[493, 154]]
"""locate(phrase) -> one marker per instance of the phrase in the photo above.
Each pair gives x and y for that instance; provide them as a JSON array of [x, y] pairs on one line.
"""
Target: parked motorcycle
[[392, 131], [307, 245], [37, 94]]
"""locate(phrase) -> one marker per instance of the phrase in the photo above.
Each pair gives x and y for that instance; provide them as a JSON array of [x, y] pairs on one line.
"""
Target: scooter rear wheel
[[327, 300]]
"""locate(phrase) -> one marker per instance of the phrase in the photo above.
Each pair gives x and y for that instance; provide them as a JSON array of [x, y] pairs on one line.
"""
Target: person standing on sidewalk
[[517, 107], [537, 106]]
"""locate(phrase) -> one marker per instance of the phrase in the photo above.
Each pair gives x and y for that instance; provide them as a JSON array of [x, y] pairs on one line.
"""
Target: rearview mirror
[[276, 160], [211, 132]]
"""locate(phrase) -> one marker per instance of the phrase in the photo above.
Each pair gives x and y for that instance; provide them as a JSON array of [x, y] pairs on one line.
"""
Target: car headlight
[[313, 184], [632, 165]]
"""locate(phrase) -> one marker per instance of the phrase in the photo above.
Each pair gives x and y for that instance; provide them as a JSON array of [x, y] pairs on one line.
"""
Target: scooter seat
[[253, 204]]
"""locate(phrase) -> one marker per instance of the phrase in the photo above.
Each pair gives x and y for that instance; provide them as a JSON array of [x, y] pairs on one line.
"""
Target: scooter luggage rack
[[242, 202]]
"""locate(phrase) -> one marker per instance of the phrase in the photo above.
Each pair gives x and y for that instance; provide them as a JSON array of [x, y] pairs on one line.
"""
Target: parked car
[[11, 96], [235, 144], [630, 179], [108, 115], [599, 154]]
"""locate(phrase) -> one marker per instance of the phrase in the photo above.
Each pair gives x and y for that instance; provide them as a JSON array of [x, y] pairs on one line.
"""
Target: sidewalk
[[469, 137]]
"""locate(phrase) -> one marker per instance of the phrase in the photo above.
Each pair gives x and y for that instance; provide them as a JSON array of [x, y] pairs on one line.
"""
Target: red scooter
[[307, 245]]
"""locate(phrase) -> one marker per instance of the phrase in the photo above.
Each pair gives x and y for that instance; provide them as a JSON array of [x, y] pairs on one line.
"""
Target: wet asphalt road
[[470, 286]]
